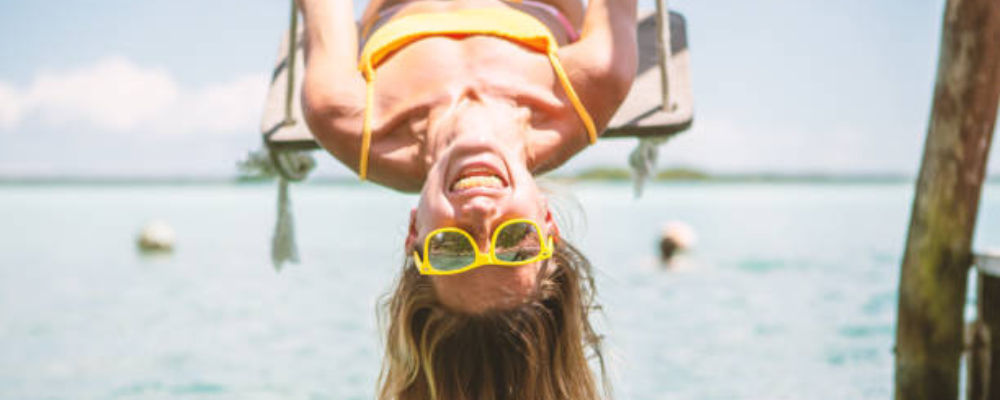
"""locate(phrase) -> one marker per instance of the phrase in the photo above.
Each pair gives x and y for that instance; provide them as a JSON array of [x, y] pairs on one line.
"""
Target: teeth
[[469, 182]]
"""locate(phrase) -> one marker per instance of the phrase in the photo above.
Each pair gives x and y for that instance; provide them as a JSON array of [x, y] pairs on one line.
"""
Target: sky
[[163, 88]]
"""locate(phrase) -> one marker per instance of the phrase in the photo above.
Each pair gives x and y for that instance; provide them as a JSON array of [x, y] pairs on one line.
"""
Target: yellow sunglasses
[[452, 250]]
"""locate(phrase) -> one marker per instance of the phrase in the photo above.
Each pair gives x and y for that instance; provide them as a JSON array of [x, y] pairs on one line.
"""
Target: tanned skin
[[418, 85]]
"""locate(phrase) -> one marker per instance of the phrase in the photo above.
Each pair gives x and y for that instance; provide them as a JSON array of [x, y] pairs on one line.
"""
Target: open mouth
[[478, 177]]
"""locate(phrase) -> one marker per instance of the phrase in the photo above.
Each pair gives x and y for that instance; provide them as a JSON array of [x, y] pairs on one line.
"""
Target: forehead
[[487, 288]]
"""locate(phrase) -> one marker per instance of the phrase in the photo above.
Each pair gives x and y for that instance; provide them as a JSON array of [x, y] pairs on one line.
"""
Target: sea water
[[789, 292]]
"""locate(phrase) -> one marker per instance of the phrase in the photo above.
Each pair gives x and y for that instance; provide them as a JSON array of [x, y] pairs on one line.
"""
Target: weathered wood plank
[[984, 348], [929, 337], [643, 112], [988, 263]]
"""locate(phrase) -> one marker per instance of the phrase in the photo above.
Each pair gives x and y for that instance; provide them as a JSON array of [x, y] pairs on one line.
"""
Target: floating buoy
[[156, 236], [675, 236]]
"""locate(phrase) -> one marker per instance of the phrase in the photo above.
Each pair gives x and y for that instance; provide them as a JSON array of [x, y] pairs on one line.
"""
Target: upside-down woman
[[465, 101]]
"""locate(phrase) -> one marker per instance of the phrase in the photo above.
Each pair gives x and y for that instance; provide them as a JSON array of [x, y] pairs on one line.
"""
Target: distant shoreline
[[693, 175], [323, 181], [599, 174]]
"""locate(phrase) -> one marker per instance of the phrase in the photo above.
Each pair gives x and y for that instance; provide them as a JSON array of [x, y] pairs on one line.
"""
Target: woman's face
[[479, 181]]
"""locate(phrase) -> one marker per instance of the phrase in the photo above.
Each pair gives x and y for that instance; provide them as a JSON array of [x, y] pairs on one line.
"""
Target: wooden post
[[929, 334], [984, 346]]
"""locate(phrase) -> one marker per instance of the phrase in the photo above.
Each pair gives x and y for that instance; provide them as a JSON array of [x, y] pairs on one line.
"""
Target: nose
[[477, 216]]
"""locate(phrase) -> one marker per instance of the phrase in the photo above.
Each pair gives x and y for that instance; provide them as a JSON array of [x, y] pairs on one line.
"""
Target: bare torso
[[429, 76], [426, 78]]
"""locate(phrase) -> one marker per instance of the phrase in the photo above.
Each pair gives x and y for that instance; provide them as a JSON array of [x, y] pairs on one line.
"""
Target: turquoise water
[[789, 294]]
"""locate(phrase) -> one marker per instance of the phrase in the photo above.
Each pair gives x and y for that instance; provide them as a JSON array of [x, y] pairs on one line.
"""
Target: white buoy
[[156, 236], [676, 236]]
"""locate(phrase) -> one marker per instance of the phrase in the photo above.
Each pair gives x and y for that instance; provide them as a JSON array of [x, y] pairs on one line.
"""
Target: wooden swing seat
[[659, 104]]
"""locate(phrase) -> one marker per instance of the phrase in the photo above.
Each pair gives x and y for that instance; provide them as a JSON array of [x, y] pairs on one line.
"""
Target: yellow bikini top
[[505, 23]]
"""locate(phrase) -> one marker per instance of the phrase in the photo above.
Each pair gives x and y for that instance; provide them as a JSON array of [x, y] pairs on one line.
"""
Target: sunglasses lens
[[519, 241], [449, 251]]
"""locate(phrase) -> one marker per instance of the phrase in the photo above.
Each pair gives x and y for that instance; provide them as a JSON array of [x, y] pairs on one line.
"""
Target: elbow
[[327, 110], [317, 106], [321, 106], [334, 119], [618, 70], [624, 65], [620, 80]]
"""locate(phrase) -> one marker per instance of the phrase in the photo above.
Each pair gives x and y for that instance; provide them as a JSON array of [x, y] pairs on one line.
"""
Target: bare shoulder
[[603, 62], [335, 119], [602, 76]]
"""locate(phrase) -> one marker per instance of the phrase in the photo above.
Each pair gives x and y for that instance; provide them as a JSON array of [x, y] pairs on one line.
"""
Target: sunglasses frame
[[489, 257]]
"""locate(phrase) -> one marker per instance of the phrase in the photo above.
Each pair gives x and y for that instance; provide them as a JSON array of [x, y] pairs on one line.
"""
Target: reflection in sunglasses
[[518, 242], [452, 250]]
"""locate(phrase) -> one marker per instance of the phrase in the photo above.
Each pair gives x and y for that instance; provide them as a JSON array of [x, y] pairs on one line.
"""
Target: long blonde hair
[[536, 351]]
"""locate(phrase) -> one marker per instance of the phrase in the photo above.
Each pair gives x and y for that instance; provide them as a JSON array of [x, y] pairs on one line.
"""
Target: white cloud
[[722, 145], [113, 94], [230, 106], [117, 95], [10, 107]]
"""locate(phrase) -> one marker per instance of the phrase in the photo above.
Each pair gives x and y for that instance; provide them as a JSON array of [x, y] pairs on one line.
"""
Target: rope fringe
[[283, 246], [643, 162]]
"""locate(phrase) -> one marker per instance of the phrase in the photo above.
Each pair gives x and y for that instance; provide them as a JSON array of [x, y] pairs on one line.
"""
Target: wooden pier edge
[[983, 335], [929, 334]]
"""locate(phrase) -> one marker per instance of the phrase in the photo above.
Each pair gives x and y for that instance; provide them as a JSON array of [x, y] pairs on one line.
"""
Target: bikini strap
[[366, 128], [588, 122]]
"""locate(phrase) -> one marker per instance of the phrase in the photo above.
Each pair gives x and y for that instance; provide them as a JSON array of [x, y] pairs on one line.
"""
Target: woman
[[472, 98], [414, 87]]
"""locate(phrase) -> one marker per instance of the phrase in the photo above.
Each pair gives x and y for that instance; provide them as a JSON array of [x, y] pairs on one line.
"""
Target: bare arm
[[601, 66], [603, 62], [333, 91]]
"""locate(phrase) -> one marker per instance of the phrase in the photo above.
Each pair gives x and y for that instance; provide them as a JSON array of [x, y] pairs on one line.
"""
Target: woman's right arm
[[333, 91]]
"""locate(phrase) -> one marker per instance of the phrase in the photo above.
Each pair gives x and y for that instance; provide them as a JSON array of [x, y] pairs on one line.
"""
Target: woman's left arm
[[602, 64]]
